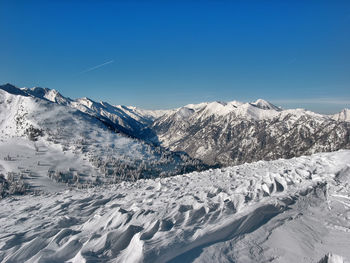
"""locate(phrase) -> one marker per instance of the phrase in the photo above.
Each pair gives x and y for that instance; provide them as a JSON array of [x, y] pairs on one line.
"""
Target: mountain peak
[[344, 115], [86, 102], [265, 105], [183, 113], [48, 94], [255, 109], [12, 89]]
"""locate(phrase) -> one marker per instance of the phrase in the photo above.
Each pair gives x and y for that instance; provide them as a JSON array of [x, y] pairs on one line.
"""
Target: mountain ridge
[[150, 115], [218, 133], [63, 143]]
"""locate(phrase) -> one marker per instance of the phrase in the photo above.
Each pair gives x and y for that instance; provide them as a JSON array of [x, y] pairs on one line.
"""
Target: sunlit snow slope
[[40, 139], [293, 210]]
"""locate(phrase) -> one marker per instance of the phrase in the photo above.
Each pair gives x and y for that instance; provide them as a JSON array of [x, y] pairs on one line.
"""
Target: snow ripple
[[173, 219]]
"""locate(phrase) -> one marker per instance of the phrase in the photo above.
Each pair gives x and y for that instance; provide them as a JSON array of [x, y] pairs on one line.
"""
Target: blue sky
[[165, 54]]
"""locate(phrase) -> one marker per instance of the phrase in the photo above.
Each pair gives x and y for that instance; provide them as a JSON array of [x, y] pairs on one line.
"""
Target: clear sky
[[165, 54]]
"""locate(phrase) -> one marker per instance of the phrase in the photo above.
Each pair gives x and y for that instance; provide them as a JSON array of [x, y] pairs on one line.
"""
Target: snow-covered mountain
[[89, 106], [293, 210], [42, 137], [129, 120], [344, 115], [235, 132], [45, 93], [219, 133]]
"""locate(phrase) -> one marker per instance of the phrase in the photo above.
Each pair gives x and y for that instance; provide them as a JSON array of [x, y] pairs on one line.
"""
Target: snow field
[[260, 212]]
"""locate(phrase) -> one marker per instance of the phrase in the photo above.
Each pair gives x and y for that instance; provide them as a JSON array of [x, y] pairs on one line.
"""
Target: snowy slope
[[127, 119], [344, 115], [121, 118], [259, 109], [293, 210], [48, 94], [41, 139]]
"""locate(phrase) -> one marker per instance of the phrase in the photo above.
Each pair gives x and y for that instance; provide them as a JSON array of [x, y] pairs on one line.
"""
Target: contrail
[[98, 66]]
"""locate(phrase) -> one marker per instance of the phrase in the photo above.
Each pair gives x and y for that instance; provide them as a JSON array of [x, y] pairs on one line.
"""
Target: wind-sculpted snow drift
[[293, 210]]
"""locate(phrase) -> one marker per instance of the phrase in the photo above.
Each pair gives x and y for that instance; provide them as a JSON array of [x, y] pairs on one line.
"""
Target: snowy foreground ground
[[295, 210]]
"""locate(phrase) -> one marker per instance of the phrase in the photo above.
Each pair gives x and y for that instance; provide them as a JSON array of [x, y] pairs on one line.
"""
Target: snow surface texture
[[295, 210]]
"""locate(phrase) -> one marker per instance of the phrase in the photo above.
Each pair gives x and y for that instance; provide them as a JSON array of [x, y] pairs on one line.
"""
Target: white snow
[[183, 113], [295, 210], [279, 211], [344, 115], [258, 110], [71, 140], [265, 105]]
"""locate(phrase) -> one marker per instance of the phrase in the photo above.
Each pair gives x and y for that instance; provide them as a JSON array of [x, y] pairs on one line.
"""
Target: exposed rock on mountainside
[[234, 133]]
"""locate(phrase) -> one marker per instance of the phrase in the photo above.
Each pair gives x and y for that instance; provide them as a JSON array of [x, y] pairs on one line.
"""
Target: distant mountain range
[[217, 133], [234, 132]]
